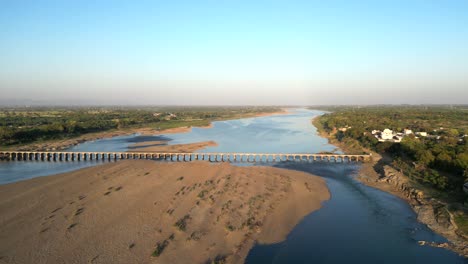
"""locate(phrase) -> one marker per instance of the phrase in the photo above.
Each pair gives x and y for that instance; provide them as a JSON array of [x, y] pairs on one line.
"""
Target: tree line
[[439, 159], [27, 125]]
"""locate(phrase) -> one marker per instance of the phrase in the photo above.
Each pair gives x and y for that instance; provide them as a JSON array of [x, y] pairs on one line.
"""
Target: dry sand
[[162, 146], [283, 111], [120, 212]]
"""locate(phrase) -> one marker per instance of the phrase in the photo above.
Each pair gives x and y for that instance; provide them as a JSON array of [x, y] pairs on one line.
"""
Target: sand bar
[[120, 212], [162, 146]]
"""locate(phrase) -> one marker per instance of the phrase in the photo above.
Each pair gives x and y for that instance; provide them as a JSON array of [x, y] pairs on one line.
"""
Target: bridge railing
[[179, 156]]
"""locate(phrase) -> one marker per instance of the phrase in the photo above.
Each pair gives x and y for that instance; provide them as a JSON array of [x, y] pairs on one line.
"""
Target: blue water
[[358, 224], [22, 170], [291, 133]]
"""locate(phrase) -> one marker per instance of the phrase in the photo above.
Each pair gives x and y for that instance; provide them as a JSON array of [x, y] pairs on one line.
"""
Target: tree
[[434, 178], [443, 160], [425, 157]]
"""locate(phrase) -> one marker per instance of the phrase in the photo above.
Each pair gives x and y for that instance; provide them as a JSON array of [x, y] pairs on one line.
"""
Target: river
[[359, 224]]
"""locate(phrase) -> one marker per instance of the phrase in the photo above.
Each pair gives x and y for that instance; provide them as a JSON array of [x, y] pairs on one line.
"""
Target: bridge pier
[[182, 157]]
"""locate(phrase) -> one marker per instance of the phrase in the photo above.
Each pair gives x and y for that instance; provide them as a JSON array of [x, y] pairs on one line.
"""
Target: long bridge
[[168, 156]]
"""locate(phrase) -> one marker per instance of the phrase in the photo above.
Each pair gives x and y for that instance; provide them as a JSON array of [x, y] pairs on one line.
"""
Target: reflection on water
[[292, 133], [283, 133]]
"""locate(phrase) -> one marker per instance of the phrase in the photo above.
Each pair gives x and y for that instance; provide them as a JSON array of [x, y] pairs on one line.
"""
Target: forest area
[[23, 125], [439, 159]]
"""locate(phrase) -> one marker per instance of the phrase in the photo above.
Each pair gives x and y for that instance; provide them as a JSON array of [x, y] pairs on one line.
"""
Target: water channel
[[358, 224]]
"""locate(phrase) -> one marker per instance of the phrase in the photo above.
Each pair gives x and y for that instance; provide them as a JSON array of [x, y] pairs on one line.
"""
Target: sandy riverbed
[[162, 146], [120, 212]]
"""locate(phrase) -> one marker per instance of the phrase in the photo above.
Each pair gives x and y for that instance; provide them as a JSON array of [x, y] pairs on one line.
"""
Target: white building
[[387, 134], [422, 134], [407, 131]]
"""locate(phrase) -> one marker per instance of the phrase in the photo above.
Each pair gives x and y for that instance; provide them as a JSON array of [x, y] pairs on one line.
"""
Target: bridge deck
[[178, 156]]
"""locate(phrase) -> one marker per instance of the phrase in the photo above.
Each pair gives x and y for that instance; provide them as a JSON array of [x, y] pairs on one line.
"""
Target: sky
[[234, 52]]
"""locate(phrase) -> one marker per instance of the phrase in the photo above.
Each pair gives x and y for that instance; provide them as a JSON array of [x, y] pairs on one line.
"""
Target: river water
[[358, 224]]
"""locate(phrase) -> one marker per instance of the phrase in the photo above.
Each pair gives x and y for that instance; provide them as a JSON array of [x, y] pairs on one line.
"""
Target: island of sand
[[163, 146], [137, 211]]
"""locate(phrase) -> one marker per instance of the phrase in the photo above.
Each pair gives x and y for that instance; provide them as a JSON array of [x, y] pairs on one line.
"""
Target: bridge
[[213, 157]]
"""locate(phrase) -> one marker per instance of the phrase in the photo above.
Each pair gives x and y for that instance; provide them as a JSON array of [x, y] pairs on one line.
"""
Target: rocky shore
[[381, 175], [430, 211]]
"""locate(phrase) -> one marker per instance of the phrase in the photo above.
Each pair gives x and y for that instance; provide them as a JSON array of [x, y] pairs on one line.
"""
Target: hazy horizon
[[233, 53]]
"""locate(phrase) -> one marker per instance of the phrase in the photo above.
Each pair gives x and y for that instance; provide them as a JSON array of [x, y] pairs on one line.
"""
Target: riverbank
[[57, 145], [381, 175], [153, 212], [162, 146], [62, 144]]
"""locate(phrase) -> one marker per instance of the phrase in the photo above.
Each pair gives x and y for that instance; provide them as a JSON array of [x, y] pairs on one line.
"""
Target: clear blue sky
[[234, 52]]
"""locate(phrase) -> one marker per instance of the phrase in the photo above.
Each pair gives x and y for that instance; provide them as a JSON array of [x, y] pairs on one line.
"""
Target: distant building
[[422, 134], [407, 131], [344, 129], [387, 134], [170, 116]]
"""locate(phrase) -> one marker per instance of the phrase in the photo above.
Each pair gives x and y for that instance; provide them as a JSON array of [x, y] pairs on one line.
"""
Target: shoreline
[[200, 212], [162, 146], [380, 175], [86, 215], [63, 144]]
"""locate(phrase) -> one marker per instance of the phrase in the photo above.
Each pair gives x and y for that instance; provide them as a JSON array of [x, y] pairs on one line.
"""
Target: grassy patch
[[182, 223], [160, 248], [202, 194], [230, 227], [196, 235], [462, 223], [219, 259]]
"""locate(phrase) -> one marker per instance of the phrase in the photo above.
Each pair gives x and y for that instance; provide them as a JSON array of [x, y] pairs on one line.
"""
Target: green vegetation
[[182, 223], [438, 160], [230, 227], [462, 222], [26, 125], [219, 259], [202, 194], [160, 248]]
